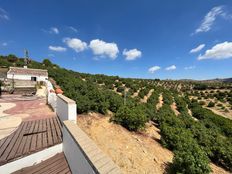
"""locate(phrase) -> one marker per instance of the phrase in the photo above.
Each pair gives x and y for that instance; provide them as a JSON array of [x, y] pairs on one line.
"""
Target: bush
[[192, 160], [202, 103], [211, 104], [130, 118], [120, 89]]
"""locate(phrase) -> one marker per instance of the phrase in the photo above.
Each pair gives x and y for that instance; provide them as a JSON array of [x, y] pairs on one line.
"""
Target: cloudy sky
[[130, 38]]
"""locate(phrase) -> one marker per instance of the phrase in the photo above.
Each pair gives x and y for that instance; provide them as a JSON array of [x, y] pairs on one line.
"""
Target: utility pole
[[124, 95]]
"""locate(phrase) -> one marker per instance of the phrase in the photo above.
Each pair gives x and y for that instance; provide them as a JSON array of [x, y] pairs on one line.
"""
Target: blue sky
[[145, 39]]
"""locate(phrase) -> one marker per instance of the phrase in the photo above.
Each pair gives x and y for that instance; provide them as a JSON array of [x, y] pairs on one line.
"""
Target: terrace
[[36, 137]]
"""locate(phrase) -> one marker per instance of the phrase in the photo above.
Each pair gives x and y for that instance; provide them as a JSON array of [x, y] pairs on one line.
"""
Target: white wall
[[51, 97], [76, 159], [66, 108], [31, 160], [82, 153], [26, 77]]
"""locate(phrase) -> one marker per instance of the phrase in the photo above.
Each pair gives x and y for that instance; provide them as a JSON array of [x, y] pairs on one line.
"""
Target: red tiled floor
[[28, 109]]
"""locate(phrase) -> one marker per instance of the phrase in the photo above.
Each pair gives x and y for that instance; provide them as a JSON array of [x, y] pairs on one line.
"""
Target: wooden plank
[[26, 149], [58, 130], [44, 134], [44, 165], [2, 141], [49, 134], [66, 170], [59, 167], [12, 143], [24, 140], [39, 136], [54, 135], [18, 142], [5, 144], [46, 169], [34, 136]]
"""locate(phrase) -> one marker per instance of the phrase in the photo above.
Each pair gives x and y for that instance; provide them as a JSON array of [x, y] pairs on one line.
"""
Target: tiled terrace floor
[[40, 127]]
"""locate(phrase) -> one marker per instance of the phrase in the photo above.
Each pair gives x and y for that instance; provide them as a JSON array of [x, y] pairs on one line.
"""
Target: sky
[[166, 39]]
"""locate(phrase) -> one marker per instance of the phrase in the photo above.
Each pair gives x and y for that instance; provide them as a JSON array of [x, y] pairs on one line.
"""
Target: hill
[[194, 134]]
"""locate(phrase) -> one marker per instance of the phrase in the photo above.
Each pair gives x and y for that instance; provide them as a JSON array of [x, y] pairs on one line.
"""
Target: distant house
[[16, 73]]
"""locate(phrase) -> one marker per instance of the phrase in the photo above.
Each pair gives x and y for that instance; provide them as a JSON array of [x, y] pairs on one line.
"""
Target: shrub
[[130, 118], [120, 89], [192, 160], [211, 104], [201, 102]]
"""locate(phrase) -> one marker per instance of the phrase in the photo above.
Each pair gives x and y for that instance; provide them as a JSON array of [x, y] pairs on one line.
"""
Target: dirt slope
[[137, 153], [134, 153]]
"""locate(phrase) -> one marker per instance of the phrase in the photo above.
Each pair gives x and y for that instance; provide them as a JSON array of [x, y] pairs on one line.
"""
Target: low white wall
[[51, 96], [66, 108], [30, 160], [82, 153]]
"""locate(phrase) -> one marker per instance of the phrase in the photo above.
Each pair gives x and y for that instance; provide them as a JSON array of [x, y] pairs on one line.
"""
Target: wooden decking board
[[53, 131], [17, 144], [34, 136], [31, 136], [49, 134], [23, 141], [58, 128], [44, 135], [39, 136], [53, 165], [7, 149]]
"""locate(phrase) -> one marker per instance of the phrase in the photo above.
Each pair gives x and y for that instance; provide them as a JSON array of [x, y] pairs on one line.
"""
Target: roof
[[27, 71]]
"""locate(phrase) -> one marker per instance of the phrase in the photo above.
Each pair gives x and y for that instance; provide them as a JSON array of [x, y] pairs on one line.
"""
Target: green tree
[[47, 62], [130, 118]]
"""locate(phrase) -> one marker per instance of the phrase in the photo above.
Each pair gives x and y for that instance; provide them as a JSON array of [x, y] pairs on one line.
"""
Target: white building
[[16, 73]]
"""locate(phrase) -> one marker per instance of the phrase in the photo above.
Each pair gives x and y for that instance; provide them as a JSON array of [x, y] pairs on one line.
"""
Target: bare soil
[[174, 108], [146, 97], [137, 153], [160, 104]]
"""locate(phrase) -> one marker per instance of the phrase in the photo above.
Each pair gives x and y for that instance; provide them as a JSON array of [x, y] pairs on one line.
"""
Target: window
[[33, 78]]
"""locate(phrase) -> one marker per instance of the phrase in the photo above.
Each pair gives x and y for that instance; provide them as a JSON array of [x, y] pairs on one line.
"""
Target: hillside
[[195, 135]]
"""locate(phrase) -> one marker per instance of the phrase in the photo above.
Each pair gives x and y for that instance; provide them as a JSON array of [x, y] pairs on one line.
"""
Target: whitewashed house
[[16, 73]]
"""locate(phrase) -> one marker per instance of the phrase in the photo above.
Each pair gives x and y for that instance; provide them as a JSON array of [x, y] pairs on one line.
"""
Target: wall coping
[[100, 163], [66, 99]]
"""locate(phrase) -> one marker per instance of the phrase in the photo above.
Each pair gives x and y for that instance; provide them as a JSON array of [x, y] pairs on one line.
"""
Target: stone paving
[[15, 108]]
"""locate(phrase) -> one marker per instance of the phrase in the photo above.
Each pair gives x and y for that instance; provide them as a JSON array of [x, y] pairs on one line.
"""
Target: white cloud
[[197, 49], [4, 44], [189, 67], [153, 69], [57, 48], [3, 15], [75, 44], [54, 30], [73, 29], [219, 51], [132, 54], [209, 19], [170, 68], [102, 48]]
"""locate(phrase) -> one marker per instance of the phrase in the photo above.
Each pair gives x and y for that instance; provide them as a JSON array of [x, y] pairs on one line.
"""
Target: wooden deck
[[30, 137], [54, 165]]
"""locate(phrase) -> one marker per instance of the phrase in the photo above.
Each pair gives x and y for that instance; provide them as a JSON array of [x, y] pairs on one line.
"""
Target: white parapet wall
[[66, 108], [51, 96], [30, 160], [82, 153]]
